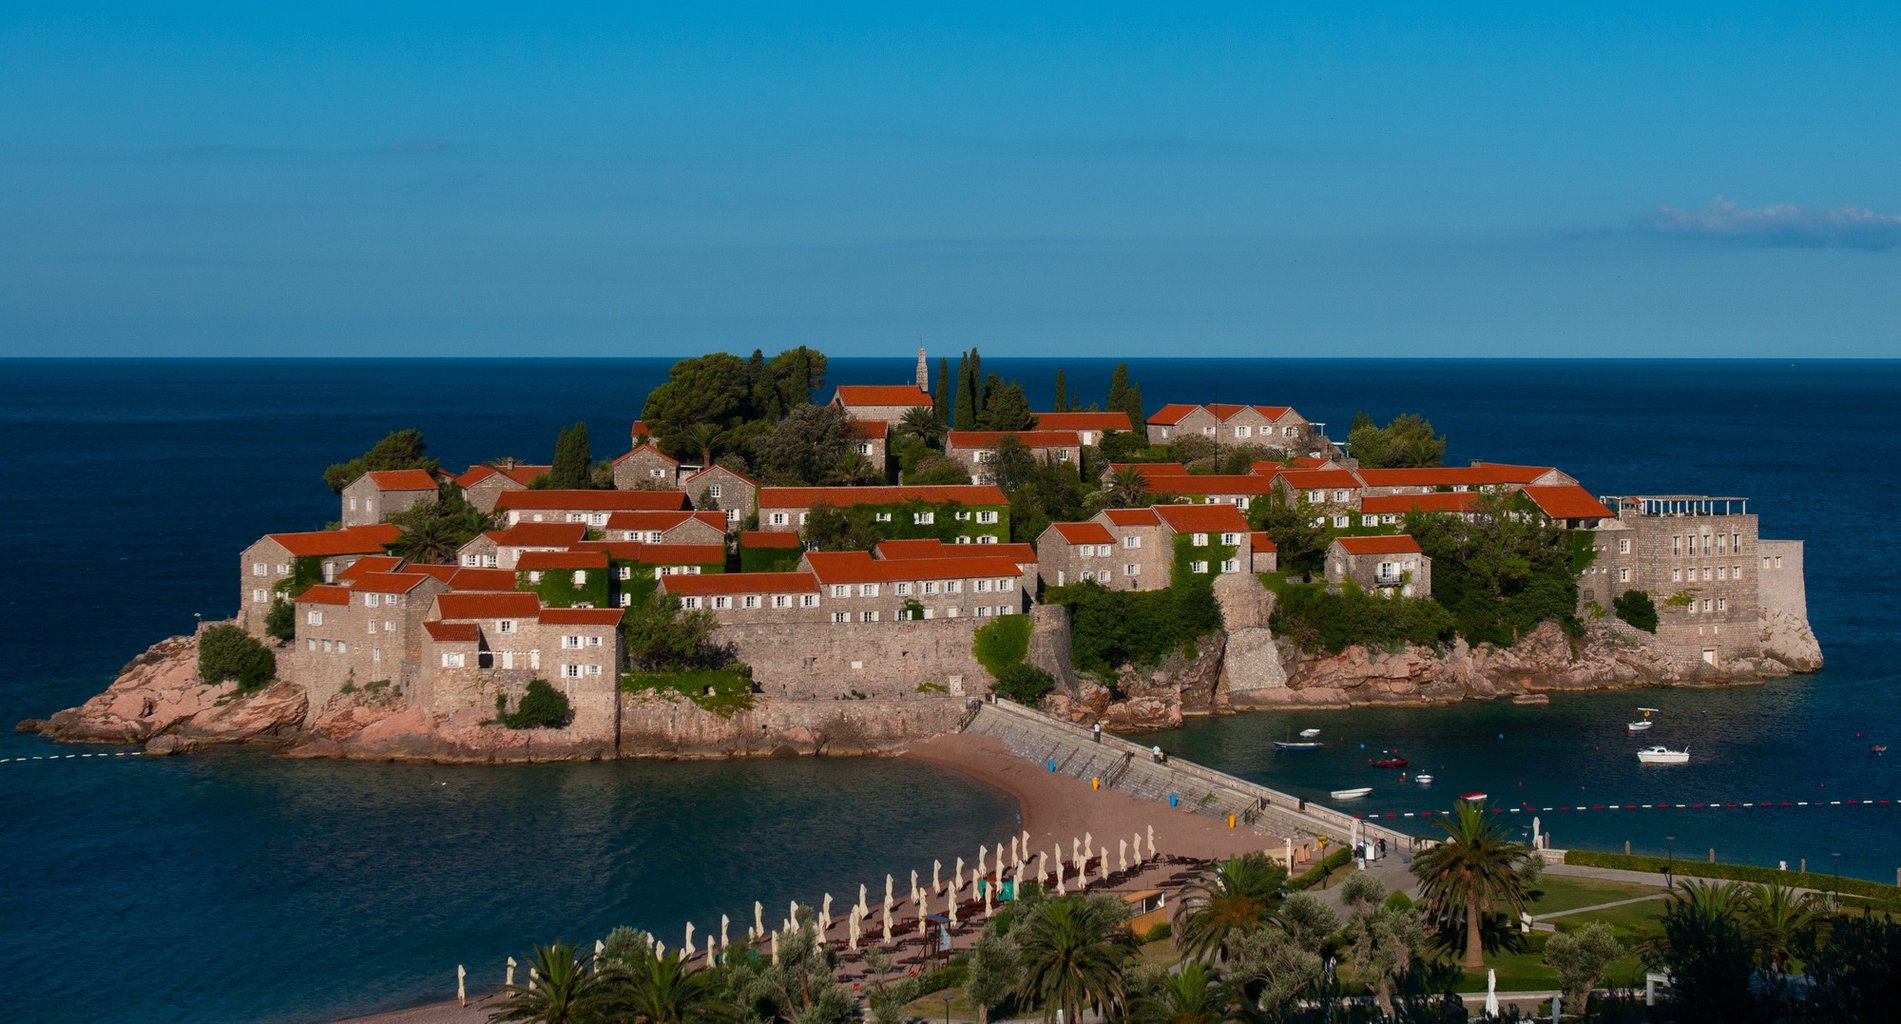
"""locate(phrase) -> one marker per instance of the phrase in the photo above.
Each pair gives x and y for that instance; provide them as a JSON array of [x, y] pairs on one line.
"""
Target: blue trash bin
[[1174, 799]]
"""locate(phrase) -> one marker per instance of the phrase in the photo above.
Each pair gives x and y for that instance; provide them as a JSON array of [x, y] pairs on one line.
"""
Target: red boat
[[1389, 761]]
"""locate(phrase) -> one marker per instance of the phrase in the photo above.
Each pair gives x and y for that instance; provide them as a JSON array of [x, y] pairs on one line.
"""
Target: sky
[[433, 179]]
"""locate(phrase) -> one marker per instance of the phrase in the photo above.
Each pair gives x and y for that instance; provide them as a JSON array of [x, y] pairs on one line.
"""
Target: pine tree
[[966, 395], [1062, 393], [572, 459], [1118, 387], [942, 405]]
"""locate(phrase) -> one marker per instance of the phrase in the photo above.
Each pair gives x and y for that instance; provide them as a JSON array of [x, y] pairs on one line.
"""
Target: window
[[983, 586], [1243, 431], [372, 600], [953, 586], [1676, 575], [490, 561], [534, 576], [1722, 544], [372, 629], [1778, 561], [1199, 540], [655, 536], [625, 572], [981, 611], [808, 600], [1131, 542], [259, 569], [1198, 567], [923, 518], [312, 643], [1230, 538], [803, 516], [656, 472], [722, 602], [841, 590], [988, 538], [570, 643], [712, 490], [782, 600], [1316, 497], [1623, 546], [750, 601], [1676, 546], [376, 654], [778, 519], [1722, 572], [883, 517], [1706, 574], [505, 626], [389, 625], [260, 595], [571, 671], [986, 517], [840, 617], [1735, 572], [961, 539], [689, 603], [471, 560], [1231, 565], [1341, 522], [1706, 604], [867, 590], [580, 577], [1623, 575], [930, 586], [313, 618], [868, 616], [1131, 569], [904, 590], [1722, 604], [451, 660], [732, 516], [864, 447], [342, 647], [1006, 584], [962, 515], [1765, 561]]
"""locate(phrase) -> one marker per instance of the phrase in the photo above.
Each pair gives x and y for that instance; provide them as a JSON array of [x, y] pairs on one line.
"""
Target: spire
[[923, 371]]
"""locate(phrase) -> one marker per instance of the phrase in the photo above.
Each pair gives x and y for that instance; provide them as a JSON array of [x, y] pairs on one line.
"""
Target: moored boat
[[1352, 794], [1663, 755], [1473, 797], [1296, 745], [1640, 726], [1307, 734], [1423, 779], [1388, 761]]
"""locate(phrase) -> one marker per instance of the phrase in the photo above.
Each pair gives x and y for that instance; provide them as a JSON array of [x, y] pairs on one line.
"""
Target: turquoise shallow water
[[234, 888]]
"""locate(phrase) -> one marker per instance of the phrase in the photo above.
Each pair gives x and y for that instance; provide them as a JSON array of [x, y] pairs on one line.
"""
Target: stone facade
[[374, 497], [273, 558], [1089, 426], [976, 450], [880, 402], [1391, 566], [368, 632], [590, 507], [733, 494], [667, 527], [1266, 426], [482, 486], [800, 661], [1698, 560], [646, 467]]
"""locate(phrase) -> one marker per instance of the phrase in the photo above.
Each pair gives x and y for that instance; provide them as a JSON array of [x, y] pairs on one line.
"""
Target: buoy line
[[68, 757], [1708, 806]]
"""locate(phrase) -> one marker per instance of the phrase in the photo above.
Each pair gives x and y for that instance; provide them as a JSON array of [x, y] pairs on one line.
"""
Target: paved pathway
[[1598, 906]]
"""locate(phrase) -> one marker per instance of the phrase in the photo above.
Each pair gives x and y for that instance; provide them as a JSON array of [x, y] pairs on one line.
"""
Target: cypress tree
[[966, 395], [976, 381], [572, 460], [942, 405], [1062, 393], [1132, 404], [1118, 387]]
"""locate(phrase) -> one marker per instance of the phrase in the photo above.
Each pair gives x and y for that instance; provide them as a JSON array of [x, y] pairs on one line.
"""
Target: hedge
[[1736, 873], [1002, 643], [1320, 869]]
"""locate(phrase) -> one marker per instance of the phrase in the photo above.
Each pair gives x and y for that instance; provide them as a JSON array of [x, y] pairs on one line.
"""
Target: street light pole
[[1670, 863], [1835, 897], [947, 1001]]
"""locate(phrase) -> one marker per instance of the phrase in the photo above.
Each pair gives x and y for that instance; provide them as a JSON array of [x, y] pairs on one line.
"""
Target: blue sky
[[282, 179]]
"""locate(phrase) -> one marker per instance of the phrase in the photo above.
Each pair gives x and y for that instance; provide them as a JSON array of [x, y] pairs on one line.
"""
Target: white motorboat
[[1423, 779], [1640, 726], [1352, 794], [1307, 734], [1663, 755]]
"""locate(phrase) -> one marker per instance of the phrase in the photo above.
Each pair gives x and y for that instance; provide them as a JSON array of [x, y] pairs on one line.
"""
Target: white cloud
[[1781, 225]]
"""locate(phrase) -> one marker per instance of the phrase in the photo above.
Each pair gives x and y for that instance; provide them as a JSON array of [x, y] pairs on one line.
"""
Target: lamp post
[[1670, 862], [1835, 895], [947, 1001]]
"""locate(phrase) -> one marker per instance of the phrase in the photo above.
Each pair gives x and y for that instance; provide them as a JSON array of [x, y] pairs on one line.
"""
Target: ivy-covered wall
[[770, 559], [557, 588], [902, 523], [305, 572], [640, 581], [1214, 553]]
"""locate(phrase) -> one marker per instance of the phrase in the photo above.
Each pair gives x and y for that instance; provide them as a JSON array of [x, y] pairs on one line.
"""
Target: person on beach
[[1098, 731], [1156, 752]]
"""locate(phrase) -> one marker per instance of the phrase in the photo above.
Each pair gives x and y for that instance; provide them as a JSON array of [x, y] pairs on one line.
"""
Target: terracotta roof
[[1084, 533], [445, 573], [840, 497], [1171, 414], [453, 632], [1321, 479], [638, 431], [475, 580], [1082, 421], [930, 547], [521, 473], [1568, 501], [1260, 542], [871, 428], [1152, 469], [1304, 462], [1398, 544], [1453, 476], [657, 554], [769, 539], [717, 467], [882, 394], [1030, 438], [590, 501], [538, 535], [1435, 501], [860, 567], [581, 616], [542, 561], [324, 593], [351, 540], [653, 519], [1131, 516], [369, 564], [512, 605], [741, 583], [1209, 483], [1202, 518], [390, 582], [670, 460], [402, 479], [1273, 469]]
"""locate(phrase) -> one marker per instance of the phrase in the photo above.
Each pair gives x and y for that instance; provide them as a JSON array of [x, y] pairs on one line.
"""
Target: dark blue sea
[[233, 887]]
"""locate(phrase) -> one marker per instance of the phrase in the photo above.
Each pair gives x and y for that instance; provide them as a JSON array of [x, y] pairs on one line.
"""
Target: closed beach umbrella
[[1122, 855], [1491, 993], [853, 931], [688, 944], [937, 876], [1042, 866], [887, 924], [1151, 842], [1135, 846], [758, 918], [1103, 859], [1016, 852], [957, 874]]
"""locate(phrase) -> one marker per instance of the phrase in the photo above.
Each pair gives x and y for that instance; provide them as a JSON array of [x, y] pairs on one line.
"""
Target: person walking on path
[[1098, 731]]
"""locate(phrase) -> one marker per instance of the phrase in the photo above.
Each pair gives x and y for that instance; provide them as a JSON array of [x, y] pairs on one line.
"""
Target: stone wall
[[664, 727], [822, 661], [1783, 605]]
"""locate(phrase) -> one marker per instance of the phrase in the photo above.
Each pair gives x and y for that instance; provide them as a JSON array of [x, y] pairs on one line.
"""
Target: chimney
[[509, 463]]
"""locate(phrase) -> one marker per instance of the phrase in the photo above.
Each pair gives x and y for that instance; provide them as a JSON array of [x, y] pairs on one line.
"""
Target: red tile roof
[[543, 561], [1209, 483], [589, 501], [897, 550], [402, 479], [1303, 461], [859, 567], [324, 593], [1321, 479], [1260, 542], [1030, 438], [520, 473], [1171, 414], [1084, 533], [769, 539], [1152, 469], [1568, 501], [1399, 544], [1436, 501], [369, 564], [638, 431], [663, 456], [351, 540], [871, 428], [657, 554], [512, 605], [445, 573], [538, 535], [715, 467], [581, 616], [840, 497], [1175, 412], [648, 519], [1082, 421], [390, 582], [476, 580], [741, 583], [1453, 476], [1131, 516], [881, 394], [453, 632], [1202, 518]]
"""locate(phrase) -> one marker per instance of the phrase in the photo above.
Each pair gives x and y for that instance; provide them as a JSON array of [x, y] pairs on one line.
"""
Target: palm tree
[[1779, 917], [704, 437], [658, 990], [559, 991], [1472, 871], [1127, 487], [1192, 995], [920, 423], [854, 468], [1242, 894], [1075, 951]]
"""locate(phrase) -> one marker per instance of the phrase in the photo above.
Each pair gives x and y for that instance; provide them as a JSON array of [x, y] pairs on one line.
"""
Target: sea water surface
[[234, 887]]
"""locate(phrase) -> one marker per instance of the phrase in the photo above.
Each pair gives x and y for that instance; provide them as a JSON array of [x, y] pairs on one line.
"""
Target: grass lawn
[[1563, 892]]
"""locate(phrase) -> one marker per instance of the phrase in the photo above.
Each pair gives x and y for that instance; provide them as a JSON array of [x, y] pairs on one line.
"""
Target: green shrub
[[1162, 930], [1110, 628], [1320, 869], [1317, 619], [542, 707], [1003, 643], [722, 691], [281, 621], [227, 652], [1736, 873], [1024, 684], [1636, 608]]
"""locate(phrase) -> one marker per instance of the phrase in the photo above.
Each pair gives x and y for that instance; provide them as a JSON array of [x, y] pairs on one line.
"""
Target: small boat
[[1296, 745], [1663, 755], [1878, 749], [1473, 797], [1640, 726], [1352, 794], [1388, 761], [1423, 779], [1307, 734]]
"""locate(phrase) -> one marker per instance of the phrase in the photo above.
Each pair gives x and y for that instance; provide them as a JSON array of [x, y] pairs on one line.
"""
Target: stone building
[[1089, 426], [674, 527], [1267, 426], [1077, 552], [590, 507], [786, 509], [734, 494], [363, 632], [1392, 509], [871, 439], [487, 646], [976, 450], [1568, 505], [1264, 556], [646, 468], [1137, 548], [1479, 477], [1330, 496], [302, 559], [749, 597], [482, 485], [1390, 566], [886, 402], [500, 549], [1238, 490], [859, 588], [378, 494]]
